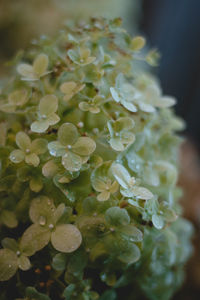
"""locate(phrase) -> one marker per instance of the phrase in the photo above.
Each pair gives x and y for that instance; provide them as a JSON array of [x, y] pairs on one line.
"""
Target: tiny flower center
[[18, 253], [117, 133], [51, 226], [69, 147], [81, 60]]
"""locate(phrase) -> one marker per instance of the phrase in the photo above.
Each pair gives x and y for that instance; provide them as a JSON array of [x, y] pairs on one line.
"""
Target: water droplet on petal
[[42, 220]]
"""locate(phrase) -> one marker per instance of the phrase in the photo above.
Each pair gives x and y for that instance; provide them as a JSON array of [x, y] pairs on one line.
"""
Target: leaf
[[8, 264], [84, 146], [48, 105], [34, 239], [117, 216], [66, 238], [67, 134]]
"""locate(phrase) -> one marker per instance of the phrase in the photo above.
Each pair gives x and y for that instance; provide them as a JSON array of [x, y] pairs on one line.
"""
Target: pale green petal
[[72, 162], [49, 169], [127, 138], [146, 107], [56, 149], [98, 184], [121, 175], [84, 106], [48, 105], [8, 264], [137, 43], [67, 134], [66, 238], [27, 72], [36, 184], [115, 94], [68, 87], [40, 64], [39, 146], [157, 221], [105, 195], [34, 239], [134, 234], [114, 187], [59, 212], [24, 263], [117, 216], [19, 97], [94, 109], [130, 255], [41, 210], [167, 101], [9, 218], [84, 146], [124, 123], [10, 244], [129, 106], [53, 119], [17, 156], [117, 144], [141, 193], [32, 159], [40, 126], [23, 141], [73, 55]]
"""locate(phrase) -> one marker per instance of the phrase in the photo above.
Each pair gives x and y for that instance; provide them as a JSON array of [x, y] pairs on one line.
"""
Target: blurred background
[[171, 26]]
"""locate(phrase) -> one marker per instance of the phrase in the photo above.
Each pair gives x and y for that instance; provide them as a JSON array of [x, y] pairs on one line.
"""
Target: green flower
[[70, 89], [150, 95], [29, 150], [35, 71], [28, 174], [73, 149], [81, 56], [92, 105], [124, 93], [48, 226], [46, 114], [16, 99], [12, 257], [121, 134], [129, 186], [103, 182]]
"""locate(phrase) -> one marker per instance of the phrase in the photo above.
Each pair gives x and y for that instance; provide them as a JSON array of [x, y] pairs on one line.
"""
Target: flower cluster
[[88, 172]]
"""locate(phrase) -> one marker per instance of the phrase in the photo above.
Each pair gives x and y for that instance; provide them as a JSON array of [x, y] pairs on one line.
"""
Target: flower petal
[[8, 264], [17, 156], [68, 87], [24, 263], [48, 105], [56, 149], [66, 238], [105, 195], [84, 146], [32, 159], [39, 146], [53, 119], [121, 175], [67, 134], [27, 71], [72, 162], [40, 64], [23, 141], [40, 126], [141, 193], [116, 144]]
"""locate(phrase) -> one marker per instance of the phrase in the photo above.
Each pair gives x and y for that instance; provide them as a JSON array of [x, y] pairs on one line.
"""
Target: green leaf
[[48, 105], [8, 264], [66, 238], [117, 216], [67, 134], [84, 146], [34, 239]]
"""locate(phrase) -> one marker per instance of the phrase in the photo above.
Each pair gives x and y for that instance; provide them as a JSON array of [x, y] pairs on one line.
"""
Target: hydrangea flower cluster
[[88, 172]]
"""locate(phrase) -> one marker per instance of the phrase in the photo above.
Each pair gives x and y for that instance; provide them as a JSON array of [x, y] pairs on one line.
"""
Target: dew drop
[[42, 220]]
